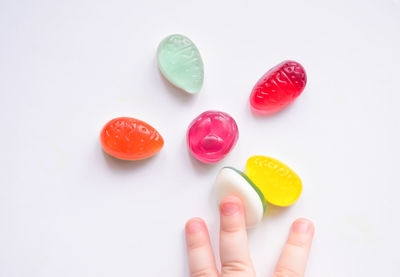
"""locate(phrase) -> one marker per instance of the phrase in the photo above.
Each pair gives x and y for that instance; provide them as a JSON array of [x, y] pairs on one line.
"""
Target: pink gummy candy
[[211, 136]]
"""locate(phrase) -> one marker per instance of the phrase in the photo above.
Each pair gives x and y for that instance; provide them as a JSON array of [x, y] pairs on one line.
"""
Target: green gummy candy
[[180, 63]]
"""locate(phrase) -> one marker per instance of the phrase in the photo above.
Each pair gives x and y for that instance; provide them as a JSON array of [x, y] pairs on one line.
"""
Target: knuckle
[[297, 243], [232, 229], [235, 267], [196, 244], [204, 272], [286, 272]]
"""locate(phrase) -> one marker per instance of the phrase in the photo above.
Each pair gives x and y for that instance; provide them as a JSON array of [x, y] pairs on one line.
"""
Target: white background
[[67, 67]]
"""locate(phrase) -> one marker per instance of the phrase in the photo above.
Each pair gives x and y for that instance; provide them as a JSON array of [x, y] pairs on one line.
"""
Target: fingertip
[[194, 225], [230, 205], [303, 225]]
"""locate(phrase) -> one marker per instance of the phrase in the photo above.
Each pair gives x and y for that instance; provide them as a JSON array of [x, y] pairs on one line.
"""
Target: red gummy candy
[[129, 138], [277, 88]]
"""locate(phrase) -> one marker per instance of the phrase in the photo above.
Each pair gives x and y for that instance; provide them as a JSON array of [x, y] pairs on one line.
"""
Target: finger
[[200, 254], [293, 260], [234, 250]]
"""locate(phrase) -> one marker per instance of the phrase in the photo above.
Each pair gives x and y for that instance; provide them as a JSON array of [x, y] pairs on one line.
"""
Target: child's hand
[[234, 252]]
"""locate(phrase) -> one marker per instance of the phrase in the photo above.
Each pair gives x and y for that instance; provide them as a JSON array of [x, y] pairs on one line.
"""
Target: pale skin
[[234, 251]]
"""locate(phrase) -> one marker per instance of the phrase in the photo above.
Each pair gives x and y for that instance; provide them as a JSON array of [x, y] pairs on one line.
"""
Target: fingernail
[[301, 226], [194, 226], [229, 208]]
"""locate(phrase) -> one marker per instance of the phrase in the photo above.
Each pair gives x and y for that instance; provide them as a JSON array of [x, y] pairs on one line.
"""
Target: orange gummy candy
[[128, 138]]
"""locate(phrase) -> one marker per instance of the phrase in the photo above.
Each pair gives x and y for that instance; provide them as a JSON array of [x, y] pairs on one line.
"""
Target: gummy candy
[[211, 136], [130, 139], [277, 88], [267, 180], [180, 62], [279, 184], [231, 181]]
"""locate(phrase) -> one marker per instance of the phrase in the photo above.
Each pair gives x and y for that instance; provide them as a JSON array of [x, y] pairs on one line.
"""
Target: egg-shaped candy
[[231, 181], [128, 138], [180, 62], [279, 184], [277, 88], [211, 136]]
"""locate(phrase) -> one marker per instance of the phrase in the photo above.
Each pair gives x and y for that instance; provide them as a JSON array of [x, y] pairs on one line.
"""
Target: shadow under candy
[[199, 166], [274, 211], [125, 165]]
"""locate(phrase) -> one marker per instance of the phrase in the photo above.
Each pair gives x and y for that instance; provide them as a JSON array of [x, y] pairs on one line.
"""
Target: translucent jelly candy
[[130, 139], [211, 136], [180, 62], [279, 184], [231, 181], [277, 88]]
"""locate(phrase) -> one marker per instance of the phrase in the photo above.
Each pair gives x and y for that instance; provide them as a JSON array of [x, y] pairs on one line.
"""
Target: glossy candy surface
[[231, 181], [277, 88], [279, 184], [180, 62], [211, 136], [130, 139]]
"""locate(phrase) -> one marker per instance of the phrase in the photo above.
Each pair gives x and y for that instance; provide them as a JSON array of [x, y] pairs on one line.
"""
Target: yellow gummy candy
[[279, 184]]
